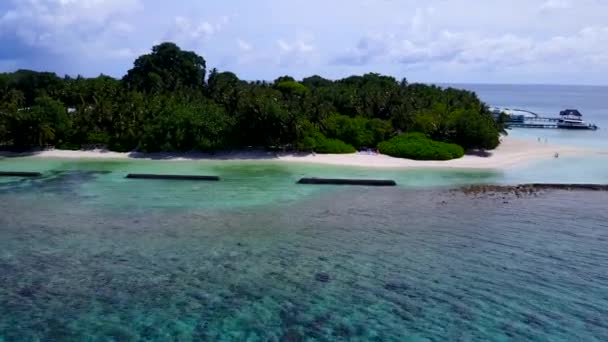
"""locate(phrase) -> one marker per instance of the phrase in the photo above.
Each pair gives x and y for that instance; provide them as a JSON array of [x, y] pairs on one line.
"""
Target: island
[[169, 103]]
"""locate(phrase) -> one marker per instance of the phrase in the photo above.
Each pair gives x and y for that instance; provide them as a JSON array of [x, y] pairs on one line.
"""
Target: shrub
[[307, 144], [69, 146], [358, 131], [417, 146], [119, 145], [315, 141], [98, 138], [333, 146], [291, 87]]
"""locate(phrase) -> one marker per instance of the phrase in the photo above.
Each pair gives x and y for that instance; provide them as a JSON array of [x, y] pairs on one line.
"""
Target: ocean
[[86, 254], [548, 101]]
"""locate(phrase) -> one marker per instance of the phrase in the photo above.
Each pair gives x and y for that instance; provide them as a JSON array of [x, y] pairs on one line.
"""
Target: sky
[[452, 41]]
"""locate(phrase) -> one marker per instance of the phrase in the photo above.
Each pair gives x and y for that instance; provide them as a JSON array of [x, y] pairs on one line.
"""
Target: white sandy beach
[[511, 152]]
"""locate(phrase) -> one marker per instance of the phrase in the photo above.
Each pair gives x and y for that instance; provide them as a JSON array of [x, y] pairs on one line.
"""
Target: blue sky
[[517, 41]]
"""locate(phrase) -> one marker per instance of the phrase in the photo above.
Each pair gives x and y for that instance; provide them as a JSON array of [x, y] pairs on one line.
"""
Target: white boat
[[573, 119]]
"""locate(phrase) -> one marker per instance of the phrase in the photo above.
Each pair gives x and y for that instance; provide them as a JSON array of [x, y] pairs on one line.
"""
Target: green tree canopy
[[418, 147], [164, 104], [168, 68], [45, 123]]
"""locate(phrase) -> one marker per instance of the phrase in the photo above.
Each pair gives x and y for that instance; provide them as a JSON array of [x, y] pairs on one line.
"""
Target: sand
[[511, 152]]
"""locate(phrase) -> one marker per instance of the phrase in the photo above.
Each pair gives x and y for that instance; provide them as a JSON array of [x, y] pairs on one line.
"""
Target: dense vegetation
[[418, 146], [167, 102]]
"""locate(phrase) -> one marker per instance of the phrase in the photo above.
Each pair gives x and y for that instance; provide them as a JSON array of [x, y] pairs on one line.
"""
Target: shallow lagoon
[[243, 182], [87, 254]]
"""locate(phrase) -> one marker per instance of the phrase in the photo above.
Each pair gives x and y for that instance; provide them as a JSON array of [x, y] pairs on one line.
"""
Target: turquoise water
[[549, 100], [81, 262], [103, 183], [87, 255]]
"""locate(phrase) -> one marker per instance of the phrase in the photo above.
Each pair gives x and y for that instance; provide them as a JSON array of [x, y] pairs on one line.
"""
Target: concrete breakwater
[[19, 174], [173, 177], [344, 181]]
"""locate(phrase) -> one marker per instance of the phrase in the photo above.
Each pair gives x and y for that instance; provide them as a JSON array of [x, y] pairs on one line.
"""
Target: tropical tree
[[44, 123], [168, 68], [164, 104]]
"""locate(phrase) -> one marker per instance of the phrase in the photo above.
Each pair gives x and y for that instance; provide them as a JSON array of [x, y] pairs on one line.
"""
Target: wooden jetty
[[173, 177], [19, 174], [343, 181]]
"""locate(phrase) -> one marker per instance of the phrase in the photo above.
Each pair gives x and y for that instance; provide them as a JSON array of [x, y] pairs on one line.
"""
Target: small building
[[571, 112]]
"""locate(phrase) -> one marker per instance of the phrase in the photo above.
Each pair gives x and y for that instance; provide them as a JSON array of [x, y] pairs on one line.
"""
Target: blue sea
[[87, 255], [548, 101]]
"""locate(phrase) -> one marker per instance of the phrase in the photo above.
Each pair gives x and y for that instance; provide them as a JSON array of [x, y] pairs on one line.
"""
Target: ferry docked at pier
[[573, 119], [568, 119]]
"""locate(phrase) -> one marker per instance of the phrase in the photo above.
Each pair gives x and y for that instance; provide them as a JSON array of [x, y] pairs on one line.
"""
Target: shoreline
[[510, 153]]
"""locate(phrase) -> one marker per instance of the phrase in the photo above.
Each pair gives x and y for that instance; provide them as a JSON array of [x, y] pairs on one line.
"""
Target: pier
[[537, 122], [568, 119]]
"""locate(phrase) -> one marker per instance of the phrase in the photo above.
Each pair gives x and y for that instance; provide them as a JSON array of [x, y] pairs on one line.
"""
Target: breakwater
[[173, 177], [19, 174], [344, 181]]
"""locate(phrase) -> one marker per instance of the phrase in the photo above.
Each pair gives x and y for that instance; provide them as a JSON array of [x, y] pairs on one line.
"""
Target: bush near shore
[[418, 147], [317, 142]]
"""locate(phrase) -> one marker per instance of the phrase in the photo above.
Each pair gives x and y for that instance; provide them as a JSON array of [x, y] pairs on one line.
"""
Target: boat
[[573, 119]]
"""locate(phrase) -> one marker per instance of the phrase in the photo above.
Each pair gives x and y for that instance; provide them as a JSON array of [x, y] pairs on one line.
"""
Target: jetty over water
[[537, 122], [522, 118], [343, 181], [173, 177]]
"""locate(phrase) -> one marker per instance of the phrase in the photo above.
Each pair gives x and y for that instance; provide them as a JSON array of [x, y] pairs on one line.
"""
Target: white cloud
[[421, 21], [124, 53], [537, 39], [193, 34], [281, 55], [474, 49], [69, 25], [60, 14], [422, 43], [299, 52], [186, 29], [244, 46], [298, 46], [368, 49], [549, 5]]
